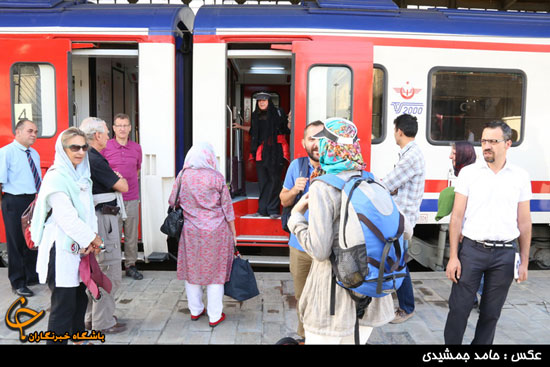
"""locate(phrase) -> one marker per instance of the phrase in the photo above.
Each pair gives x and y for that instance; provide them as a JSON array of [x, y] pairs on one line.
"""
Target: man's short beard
[[312, 157], [489, 159]]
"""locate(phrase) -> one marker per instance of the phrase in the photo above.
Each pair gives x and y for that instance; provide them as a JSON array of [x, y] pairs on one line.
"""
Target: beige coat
[[317, 238]]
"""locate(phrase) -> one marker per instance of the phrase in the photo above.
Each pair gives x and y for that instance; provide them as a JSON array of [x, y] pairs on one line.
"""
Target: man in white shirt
[[491, 210]]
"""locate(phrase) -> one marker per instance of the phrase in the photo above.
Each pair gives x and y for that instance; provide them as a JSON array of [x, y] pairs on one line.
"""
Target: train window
[[378, 88], [462, 101], [329, 92], [33, 96]]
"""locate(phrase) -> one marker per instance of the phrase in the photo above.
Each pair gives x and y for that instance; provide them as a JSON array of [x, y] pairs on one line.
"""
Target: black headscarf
[[266, 125]]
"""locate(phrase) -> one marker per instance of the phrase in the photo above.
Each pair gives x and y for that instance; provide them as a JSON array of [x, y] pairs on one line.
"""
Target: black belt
[[495, 244], [19, 195]]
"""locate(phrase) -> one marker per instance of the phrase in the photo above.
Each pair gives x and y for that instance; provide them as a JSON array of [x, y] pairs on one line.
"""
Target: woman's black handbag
[[242, 282], [173, 223]]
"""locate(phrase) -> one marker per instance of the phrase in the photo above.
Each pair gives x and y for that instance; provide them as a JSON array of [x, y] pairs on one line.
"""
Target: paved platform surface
[[155, 311]]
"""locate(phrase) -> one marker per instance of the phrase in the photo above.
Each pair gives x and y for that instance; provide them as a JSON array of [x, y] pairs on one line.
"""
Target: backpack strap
[[388, 244], [304, 166], [361, 304], [331, 180]]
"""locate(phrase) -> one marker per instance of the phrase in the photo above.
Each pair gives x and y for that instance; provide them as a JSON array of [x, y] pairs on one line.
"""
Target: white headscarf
[[201, 155], [81, 174]]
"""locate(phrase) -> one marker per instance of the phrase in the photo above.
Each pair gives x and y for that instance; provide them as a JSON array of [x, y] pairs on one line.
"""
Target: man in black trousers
[[20, 179], [491, 210]]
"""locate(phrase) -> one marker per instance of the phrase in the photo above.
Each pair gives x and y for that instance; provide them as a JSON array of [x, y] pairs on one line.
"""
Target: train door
[[34, 85], [332, 78], [323, 78]]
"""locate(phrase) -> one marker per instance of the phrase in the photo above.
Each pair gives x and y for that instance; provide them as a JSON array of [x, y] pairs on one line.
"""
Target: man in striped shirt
[[406, 183]]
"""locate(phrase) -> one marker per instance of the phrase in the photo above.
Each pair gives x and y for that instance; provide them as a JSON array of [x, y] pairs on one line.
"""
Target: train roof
[[155, 20], [370, 15]]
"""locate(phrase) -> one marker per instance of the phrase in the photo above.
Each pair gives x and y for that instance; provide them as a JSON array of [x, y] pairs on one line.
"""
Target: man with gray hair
[[107, 190]]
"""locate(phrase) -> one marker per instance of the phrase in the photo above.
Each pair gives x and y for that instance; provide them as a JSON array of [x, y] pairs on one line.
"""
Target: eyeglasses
[[75, 148], [491, 141], [122, 126]]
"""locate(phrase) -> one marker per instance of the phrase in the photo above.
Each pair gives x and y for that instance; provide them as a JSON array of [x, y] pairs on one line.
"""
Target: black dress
[[266, 126]]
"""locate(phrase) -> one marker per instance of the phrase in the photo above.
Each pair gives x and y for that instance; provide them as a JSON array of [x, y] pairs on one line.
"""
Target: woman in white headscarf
[[206, 245], [64, 227]]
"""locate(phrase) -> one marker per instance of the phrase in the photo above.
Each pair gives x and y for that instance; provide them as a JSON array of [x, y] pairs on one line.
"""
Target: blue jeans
[[405, 294]]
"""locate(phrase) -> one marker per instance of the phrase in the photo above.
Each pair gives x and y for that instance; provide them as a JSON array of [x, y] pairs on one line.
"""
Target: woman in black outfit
[[267, 130]]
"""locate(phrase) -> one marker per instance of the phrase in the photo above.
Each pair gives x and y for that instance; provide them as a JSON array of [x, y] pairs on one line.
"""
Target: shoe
[[88, 325], [117, 328], [401, 316], [132, 272], [257, 215], [274, 216], [214, 324], [195, 318], [24, 291]]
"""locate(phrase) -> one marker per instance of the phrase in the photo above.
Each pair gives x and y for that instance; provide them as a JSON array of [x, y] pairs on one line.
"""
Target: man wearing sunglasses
[[491, 210], [20, 179], [107, 189]]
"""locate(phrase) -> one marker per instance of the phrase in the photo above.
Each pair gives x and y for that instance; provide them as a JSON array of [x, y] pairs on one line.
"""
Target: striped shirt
[[407, 178]]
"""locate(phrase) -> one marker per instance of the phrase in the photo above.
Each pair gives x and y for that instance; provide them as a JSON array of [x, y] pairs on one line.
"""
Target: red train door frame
[[354, 53], [54, 52]]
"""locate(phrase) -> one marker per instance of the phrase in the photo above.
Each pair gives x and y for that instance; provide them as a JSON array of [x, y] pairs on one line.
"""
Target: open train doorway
[[254, 69], [104, 85]]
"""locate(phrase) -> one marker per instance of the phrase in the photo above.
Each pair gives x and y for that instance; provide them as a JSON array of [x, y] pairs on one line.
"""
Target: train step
[[262, 240], [259, 260]]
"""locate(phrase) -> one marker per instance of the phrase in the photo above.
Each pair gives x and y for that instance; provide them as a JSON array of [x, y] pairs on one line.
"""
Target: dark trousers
[[22, 261], [68, 305], [270, 185], [497, 267]]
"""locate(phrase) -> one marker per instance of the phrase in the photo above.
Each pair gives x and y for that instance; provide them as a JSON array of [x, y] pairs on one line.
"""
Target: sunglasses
[[75, 148]]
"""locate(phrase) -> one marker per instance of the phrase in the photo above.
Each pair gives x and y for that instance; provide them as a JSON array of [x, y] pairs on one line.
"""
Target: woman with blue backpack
[[327, 309]]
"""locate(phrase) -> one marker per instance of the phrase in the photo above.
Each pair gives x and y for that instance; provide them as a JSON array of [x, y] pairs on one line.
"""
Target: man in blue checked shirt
[[20, 179], [406, 183]]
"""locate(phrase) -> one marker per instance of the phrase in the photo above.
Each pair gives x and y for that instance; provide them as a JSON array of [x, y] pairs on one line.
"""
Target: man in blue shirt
[[20, 179], [294, 184]]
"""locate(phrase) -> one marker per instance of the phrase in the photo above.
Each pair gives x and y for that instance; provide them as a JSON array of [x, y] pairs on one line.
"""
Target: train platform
[[155, 312]]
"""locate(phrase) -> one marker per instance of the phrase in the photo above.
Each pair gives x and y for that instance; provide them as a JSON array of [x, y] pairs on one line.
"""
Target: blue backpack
[[375, 267], [374, 263]]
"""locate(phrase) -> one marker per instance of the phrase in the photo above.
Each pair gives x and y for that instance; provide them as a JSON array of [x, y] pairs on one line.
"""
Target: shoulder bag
[[173, 223]]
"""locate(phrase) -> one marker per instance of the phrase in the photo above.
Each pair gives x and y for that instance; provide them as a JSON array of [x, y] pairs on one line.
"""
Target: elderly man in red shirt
[[125, 157]]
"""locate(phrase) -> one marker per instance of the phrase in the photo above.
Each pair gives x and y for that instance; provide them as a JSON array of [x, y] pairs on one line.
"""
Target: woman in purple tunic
[[206, 245]]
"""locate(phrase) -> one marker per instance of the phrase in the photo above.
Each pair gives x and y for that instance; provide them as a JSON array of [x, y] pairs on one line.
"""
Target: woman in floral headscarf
[[340, 154], [206, 245]]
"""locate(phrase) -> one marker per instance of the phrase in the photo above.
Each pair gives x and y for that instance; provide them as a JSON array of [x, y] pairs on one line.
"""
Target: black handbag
[[285, 215], [242, 282], [173, 223]]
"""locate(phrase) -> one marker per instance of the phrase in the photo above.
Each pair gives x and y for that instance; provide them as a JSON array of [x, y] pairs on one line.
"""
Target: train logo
[[407, 91]]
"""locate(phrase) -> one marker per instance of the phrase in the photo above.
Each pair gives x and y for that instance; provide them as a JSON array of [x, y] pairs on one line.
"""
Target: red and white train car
[[186, 78]]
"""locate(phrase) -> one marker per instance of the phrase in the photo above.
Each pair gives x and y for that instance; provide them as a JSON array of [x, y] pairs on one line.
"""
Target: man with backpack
[[406, 183], [328, 310], [295, 185]]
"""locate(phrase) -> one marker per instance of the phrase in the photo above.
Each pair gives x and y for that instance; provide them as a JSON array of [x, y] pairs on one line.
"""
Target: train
[[185, 77]]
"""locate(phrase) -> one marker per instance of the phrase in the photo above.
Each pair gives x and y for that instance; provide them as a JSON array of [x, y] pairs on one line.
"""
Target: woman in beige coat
[[339, 154]]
